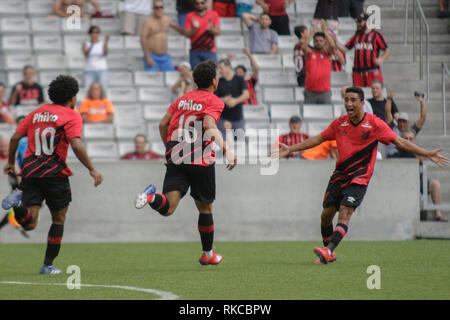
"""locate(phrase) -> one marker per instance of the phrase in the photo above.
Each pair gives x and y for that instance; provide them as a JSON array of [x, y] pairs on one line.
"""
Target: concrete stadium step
[[434, 141], [432, 230], [395, 26], [398, 38], [399, 12], [386, 4]]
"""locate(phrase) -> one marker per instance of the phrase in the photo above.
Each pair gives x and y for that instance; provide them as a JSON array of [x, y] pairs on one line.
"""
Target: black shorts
[[201, 180], [55, 191], [350, 196]]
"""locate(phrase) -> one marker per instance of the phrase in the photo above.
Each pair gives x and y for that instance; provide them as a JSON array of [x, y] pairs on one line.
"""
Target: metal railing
[[445, 74], [419, 19]]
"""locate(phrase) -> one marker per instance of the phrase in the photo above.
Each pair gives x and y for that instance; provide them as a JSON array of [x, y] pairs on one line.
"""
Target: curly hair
[[63, 89], [204, 74]]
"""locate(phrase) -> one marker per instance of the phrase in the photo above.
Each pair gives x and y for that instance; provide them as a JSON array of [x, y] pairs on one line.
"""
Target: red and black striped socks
[[159, 203], [339, 233], [22, 215], [206, 230], [54, 239]]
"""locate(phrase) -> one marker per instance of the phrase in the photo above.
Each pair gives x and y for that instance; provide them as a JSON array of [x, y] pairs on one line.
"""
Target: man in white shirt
[[134, 15]]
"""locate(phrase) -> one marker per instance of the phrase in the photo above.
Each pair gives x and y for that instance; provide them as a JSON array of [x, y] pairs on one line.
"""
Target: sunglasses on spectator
[[158, 7]]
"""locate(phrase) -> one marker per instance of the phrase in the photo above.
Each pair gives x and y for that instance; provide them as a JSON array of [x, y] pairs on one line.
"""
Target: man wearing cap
[[294, 136], [367, 62], [403, 122]]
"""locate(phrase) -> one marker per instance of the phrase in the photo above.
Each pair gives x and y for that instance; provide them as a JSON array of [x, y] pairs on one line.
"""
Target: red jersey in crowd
[[336, 66], [186, 133], [251, 82], [203, 40], [367, 49], [276, 7], [49, 130], [147, 155], [357, 147], [318, 71], [291, 139]]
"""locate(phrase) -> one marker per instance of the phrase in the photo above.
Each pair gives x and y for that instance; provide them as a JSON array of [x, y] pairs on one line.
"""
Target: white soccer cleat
[[141, 199]]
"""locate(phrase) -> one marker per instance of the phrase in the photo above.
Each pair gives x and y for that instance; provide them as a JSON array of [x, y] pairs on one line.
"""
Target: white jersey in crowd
[[138, 6], [96, 59]]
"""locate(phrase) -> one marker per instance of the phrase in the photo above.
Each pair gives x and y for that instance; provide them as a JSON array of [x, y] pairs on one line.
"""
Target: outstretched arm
[[308, 144], [81, 154], [413, 148]]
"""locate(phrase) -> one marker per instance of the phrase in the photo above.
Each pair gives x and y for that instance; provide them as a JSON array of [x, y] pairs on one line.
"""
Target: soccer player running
[[49, 131], [188, 130], [357, 135]]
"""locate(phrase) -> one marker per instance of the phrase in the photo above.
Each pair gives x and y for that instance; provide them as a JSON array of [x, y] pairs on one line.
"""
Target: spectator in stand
[[402, 124], [252, 80], [262, 38], [27, 92], [96, 108], [378, 102], [95, 51], [318, 67], [154, 36], [327, 10], [338, 59], [350, 8], [244, 6], [139, 153], [443, 9], [5, 115], [233, 91], [277, 12], [183, 8], [323, 151], [60, 7], [202, 27], [299, 57], [225, 8], [368, 44], [186, 82], [294, 136], [434, 186], [134, 14]]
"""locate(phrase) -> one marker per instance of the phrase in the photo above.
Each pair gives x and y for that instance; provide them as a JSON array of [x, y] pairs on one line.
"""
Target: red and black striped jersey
[[251, 89], [186, 140], [336, 66], [291, 139], [203, 40], [49, 130], [357, 147], [367, 49]]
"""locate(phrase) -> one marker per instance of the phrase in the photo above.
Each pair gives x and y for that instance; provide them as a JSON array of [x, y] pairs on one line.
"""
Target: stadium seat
[[277, 78], [154, 112], [347, 24], [283, 127], [75, 62], [299, 94], [158, 148], [7, 130], [341, 79], [144, 78], [150, 94], [117, 61], [98, 131], [283, 111], [305, 7], [111, 26], [116, 43], [268, 61], [81, 95], [153, 131], [14, 25], [47, 43], [45, 25], [287, 43], [336, 95], [338, 109], [176, 43], [278, 95], [72, 27], [128, 113], [73, 43], [107, 7], [129, 131], [125, 147], [102, 150], [318, 111], [10, 8], [230, 25], [316, 127], [120, 78], [288, 61], [14, 77], [16, 43], [45, 77], [23, 110], [256, 113], [50, 62], [170, 78], [133, 42], [40, 7], [17, 61], [230, 42], [122, 94]]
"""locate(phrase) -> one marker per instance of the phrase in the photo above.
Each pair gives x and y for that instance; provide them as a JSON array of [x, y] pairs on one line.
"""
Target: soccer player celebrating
[[49, 130], [357, 135], [188, 129]]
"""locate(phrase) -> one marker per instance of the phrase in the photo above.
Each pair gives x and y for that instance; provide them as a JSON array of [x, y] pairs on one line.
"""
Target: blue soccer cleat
[[12, 200], [49, 270], [143, 198]]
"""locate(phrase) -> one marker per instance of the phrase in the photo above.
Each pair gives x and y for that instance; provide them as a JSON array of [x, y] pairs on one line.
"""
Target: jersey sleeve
[[172, 108], [22, 128], [381, 41], [384, 133], [188, 23], [330, 132], [351, 43], [214, 108], [74, 127]]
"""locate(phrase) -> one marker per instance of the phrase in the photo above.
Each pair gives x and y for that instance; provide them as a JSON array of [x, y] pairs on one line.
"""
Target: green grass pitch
[[416, 269]]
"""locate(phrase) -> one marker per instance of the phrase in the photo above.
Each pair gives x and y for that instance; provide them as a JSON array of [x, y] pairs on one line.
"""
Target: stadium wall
[[249, 206]]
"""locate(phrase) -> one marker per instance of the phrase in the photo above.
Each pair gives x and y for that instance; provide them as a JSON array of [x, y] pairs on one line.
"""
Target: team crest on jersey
[[365, 135], [366, 125]]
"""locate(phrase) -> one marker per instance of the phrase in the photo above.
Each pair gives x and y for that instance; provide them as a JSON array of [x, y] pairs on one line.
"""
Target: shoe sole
[[319, 255], [203, 263], [140, 201]]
